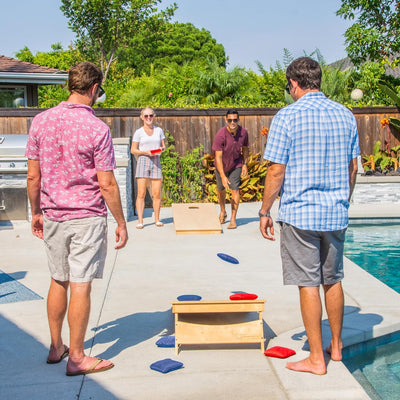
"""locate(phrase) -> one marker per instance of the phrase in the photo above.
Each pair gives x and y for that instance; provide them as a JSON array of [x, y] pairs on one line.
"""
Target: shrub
[[251, 188], [183, 176]]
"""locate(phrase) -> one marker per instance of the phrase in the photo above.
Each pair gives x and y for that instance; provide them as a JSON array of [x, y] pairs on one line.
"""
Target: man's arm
[[220, 168], [272, 186], [110, 191], [33, 183], [245, 155], [353, 168]]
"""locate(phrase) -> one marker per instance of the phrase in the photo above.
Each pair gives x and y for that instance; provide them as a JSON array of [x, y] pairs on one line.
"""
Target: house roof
[[16, 71]]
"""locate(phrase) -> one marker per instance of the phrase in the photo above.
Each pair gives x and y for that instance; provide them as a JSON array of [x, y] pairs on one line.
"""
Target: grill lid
[[13, 145]]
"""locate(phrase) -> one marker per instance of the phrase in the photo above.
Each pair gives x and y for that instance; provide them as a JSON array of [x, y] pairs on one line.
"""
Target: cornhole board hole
[[218, 322], [196, 218]]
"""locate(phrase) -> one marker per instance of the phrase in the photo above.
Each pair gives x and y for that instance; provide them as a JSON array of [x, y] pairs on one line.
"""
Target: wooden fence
[[192, 127]]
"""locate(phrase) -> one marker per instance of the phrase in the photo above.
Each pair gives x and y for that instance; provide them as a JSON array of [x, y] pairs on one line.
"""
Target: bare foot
[[307, 365], [232, 225], [88, 365], [335, 352]]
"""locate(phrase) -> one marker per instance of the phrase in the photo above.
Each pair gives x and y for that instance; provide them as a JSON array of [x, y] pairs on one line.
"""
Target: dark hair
[[232, 111], [306, 72], [83, 76]]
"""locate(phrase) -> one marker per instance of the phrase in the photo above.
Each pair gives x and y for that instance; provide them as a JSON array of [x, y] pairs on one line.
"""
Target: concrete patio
[[131, 309]]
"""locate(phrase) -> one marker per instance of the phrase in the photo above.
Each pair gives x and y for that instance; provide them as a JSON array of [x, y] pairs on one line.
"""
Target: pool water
[[375, 247], [377, 368]]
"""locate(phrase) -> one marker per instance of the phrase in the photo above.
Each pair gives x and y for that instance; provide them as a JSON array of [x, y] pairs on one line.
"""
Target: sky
[[249, 30]]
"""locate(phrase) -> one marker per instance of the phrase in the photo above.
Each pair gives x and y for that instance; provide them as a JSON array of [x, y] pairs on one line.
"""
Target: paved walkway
[[131, 309]]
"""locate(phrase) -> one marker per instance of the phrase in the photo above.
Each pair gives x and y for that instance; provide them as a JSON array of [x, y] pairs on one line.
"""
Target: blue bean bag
[[166, 365], [189, 297], [228, 258], [166, 341]]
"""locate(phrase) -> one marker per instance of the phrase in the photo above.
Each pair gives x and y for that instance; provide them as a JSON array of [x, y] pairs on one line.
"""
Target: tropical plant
[[394, 99], [251, 188], [382, 160], [335, 83], [214, 85]]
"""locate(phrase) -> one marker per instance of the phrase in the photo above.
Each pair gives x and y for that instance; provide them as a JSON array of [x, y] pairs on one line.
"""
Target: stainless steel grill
[[13, 171], [12, 150]]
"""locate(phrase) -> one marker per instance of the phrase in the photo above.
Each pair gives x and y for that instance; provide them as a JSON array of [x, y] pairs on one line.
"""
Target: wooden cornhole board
[[211, 322], [218, 322], [195, 218]]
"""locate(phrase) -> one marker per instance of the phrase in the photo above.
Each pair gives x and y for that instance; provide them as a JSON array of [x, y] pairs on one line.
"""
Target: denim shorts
[[311, 258], [76, 249]]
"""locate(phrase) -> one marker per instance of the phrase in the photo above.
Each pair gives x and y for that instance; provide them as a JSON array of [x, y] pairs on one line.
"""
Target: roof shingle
[[8, 64]]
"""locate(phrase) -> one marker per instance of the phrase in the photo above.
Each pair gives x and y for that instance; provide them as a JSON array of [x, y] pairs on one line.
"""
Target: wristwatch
[[260, 214]]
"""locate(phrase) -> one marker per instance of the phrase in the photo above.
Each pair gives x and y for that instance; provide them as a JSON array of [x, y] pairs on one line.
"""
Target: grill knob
[[12, 165]]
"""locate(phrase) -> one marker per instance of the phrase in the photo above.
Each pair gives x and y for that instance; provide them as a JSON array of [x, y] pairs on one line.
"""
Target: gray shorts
[[311, 258], [76, 249], [233, 176]]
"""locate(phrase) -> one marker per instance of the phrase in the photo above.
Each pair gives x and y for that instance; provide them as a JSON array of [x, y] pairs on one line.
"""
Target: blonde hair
[[147, 108]]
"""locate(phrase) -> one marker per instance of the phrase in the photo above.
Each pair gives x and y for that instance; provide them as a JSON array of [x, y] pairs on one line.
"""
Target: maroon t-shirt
[[231, 147]]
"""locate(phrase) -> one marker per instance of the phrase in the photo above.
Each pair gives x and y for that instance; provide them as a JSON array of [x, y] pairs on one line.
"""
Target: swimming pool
[[374, 245], [376, 366]]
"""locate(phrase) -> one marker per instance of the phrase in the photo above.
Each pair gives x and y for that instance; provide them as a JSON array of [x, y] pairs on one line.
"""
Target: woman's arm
[[135, 150]]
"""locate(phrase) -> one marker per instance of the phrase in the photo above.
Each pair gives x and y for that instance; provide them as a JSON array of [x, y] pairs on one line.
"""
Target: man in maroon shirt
[[231, 156]]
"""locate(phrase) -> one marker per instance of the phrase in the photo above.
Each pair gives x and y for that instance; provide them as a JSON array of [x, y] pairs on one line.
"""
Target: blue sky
[[248, 29]]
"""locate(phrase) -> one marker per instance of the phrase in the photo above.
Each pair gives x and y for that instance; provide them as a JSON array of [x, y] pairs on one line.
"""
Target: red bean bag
[[279, 352]]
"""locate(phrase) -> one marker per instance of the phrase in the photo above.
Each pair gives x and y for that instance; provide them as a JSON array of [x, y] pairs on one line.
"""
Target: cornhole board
[[218, 322], [195, 218]]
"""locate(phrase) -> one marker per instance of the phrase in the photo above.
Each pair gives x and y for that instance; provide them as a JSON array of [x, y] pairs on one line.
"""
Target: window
[[13, 97]]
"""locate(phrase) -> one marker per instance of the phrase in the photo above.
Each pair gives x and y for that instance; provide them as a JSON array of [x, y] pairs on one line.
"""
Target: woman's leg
[[141, 194], [156, 193]]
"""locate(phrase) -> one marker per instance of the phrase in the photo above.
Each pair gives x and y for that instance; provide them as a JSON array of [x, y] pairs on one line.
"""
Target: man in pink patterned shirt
[[70, 182]]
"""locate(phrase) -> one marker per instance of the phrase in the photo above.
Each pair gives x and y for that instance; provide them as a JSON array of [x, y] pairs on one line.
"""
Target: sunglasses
[[148, 116], [235, 120], [101, 91], [287, 88]]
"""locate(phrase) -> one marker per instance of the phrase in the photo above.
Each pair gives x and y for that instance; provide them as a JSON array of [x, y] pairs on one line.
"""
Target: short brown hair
[[83, 76], [306, 72]]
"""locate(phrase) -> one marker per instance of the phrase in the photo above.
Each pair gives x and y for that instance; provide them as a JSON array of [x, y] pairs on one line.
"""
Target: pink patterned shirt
[[71, 144]]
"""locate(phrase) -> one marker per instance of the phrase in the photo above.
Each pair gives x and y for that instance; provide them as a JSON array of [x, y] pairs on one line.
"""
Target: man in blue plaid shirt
[[312, 148]]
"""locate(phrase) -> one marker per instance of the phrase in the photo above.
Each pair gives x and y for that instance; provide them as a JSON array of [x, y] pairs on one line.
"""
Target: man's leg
[[221, 200], [311, 311], [334, 303], [78, 317], [56, 308], [235, 199]]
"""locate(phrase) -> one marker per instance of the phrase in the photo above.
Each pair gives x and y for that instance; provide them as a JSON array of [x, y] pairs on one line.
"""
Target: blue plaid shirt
[[316, 138]]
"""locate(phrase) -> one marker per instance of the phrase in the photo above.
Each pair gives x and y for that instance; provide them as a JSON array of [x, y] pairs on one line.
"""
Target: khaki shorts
[[311, 258], [76, 249]]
